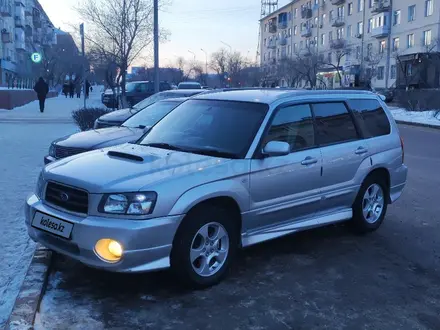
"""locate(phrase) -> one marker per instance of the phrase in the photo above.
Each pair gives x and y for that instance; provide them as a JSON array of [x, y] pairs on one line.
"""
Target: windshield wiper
[[214, 153], [163, 146]]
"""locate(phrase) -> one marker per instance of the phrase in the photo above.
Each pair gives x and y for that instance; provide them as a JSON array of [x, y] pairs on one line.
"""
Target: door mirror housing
[[276, 148], [382, 97]]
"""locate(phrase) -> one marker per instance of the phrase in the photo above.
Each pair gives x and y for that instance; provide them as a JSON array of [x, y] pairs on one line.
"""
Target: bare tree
[[118, 29], [219, 62], [370, 66], [236, 64], [340, 55], [307, 64]]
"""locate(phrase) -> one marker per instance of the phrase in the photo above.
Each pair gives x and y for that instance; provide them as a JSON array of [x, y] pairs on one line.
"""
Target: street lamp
[[206, 64], [224, 43], [193, 54]]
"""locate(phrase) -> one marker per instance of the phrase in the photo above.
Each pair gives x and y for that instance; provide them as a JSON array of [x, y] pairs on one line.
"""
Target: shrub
[[418, 99], [85, 118]]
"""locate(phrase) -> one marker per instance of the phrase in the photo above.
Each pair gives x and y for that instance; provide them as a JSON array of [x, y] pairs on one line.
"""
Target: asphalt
[[327, 278]]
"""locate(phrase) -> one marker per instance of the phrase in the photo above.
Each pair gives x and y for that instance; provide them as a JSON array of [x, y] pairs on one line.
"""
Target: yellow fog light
[[109, 250]]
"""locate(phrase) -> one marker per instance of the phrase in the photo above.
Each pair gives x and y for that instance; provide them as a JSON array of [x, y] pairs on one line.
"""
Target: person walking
[[87, 89], [41, 88], [78, 89], [71, 89], [66, 89]]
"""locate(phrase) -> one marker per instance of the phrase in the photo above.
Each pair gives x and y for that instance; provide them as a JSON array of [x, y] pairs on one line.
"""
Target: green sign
[[36, 57]]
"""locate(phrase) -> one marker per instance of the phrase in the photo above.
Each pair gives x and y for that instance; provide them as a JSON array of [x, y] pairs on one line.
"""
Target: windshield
[[209, 127], [151, 115], [189, 86], [150, 100], [130, 87]]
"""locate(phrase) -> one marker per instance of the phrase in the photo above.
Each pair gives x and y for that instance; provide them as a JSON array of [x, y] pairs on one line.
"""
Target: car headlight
[[39, 190], [128, 203], [52, 150]]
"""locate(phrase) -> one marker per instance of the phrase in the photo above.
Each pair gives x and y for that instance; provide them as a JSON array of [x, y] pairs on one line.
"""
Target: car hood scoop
[[125, 155]]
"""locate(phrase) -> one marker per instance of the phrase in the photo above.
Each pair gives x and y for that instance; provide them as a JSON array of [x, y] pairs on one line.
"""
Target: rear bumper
[[398, 182], [147, 243]]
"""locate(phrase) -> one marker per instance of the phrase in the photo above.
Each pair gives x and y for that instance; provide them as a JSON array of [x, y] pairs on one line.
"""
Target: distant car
[[189, 85], [135, 92], [130, 131], [116, 118]]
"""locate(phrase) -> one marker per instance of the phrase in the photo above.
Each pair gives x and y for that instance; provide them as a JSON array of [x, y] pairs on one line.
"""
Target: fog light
[[109, 250]]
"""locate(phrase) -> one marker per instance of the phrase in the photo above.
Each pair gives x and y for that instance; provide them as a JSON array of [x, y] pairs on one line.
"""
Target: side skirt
[[268, 233]]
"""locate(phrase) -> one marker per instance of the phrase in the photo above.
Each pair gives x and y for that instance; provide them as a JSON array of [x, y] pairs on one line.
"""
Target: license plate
[[52, 225]]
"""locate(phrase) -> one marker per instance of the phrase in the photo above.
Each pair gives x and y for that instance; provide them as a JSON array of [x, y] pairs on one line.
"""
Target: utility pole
[[156, 46], [81, 30], [206, 65], [226, 44]]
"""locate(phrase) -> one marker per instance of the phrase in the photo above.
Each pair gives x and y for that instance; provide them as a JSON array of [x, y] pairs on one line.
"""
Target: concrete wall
[[10, 99]]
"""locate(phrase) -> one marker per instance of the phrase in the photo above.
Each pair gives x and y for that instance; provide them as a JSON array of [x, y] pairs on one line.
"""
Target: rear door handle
[[309, 161], [361, 151]]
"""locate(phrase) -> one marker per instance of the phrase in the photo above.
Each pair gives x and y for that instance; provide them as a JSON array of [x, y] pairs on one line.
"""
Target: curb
[[417, 124], [31, 291]]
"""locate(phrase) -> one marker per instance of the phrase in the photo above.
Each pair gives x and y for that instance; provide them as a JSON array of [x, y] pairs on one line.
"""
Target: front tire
[[371, 204], [204, 246]]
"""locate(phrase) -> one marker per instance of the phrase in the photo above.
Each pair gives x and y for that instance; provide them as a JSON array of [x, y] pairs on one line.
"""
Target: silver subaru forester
[[220, 172]]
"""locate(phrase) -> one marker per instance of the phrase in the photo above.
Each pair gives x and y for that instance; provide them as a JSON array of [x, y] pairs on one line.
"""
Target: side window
[[294, 125], [163, 86], [141, 88], [334, 123], [372, 119]]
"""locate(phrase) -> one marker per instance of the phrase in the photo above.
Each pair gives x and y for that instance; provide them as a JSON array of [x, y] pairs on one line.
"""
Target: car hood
[[99, 172], [100, 138], [118, 115]]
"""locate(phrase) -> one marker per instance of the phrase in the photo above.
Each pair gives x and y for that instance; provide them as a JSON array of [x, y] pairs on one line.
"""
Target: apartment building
[[25, 28], [391, 41]]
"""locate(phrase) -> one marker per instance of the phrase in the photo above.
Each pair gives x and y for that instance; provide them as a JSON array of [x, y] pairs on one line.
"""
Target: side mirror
[[382, 97], [276, 148]]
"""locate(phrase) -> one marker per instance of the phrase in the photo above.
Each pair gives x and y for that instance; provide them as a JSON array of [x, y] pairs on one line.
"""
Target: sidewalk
[[426, 118]]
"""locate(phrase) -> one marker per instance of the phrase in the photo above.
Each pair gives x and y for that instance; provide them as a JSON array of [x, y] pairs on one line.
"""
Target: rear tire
[[204, 247], [371, 204]]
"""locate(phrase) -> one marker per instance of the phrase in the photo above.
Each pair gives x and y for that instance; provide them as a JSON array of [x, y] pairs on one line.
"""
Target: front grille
[[63, 152], [71, 199]]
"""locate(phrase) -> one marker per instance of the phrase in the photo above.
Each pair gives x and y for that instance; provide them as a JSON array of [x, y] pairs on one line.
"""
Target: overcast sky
[[193, 24]]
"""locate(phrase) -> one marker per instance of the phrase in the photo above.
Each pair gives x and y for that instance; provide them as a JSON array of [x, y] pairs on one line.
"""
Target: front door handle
[[361, 151], [309, 161]]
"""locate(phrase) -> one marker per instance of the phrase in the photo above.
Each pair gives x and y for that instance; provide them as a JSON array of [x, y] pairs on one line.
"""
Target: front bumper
[[147, 243]]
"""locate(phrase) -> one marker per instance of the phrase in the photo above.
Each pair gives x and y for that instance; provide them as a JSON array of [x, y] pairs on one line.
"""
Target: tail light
[[403, 150]]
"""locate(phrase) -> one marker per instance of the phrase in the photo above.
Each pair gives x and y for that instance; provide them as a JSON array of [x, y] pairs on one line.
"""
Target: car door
[[344, 154], [286, 188]]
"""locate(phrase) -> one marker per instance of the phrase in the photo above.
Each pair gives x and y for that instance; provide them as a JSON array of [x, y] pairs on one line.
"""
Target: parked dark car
[[189, 85], [130, 131], [116, 118], [135, 92]]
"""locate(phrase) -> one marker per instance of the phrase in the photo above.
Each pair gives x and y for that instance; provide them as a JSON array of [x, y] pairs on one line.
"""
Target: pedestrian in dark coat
[[71, 89], [78, 89], [66, 89], [87, 89], [41, 88]]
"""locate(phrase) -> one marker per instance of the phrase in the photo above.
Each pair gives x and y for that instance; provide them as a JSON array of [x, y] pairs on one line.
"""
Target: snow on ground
[[420, 117], [24, 141]]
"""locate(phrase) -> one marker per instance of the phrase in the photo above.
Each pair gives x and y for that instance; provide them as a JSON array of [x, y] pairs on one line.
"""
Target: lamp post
[[156, 46], [226, 44], [206, 65], [192, 54]]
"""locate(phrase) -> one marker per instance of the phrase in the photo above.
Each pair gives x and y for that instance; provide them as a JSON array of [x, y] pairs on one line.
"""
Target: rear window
[[371, 117]]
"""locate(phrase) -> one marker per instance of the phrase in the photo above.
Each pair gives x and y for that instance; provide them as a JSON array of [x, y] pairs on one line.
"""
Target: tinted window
[[208, 126], [293, 125], [371, 117], [334, 123], [151, 114]]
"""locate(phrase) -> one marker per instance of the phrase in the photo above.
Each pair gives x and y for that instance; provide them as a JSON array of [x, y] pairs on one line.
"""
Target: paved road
[[322, 279]]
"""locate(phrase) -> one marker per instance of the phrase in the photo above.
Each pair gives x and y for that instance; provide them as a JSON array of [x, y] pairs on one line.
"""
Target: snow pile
[[420, 117]]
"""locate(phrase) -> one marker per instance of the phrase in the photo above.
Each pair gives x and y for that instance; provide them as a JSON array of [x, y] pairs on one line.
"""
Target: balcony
[[37, 39], [271, 44], [381, 7], [306, 32], [337, 43], [338, 21], [337, 2], [282, 25], [20, 44], [28, 31], [305, 52], [381, 31], [306, 13], [6, 37], [29, 7], [282, 41], [6, 10], [19, 22]]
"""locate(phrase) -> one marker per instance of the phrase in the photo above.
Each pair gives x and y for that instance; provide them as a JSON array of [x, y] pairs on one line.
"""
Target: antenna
[[267, 7]]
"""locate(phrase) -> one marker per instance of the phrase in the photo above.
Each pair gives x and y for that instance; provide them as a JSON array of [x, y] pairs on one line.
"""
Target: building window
[[330, 16], [360, 5], [360, 29], [358, 52], [341, 11], [323, 18], [323, 39], [289, 49], [316, 20], [329, 57], [429, 7], [427, 38], [396, 17], [350, 9], [340, 33], [265, 27], [295, 30], [410, 40], [264, 57], [380, 71], [370, 3], [349, 31], [301, 45], [393, 72], [411, 13], [382, 46], [264, 43], [295, 47], [295, 13], [370, 25], [409, 69], [289, 16], [396, 44], [315, 41], [330, 35], [369, 49]]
